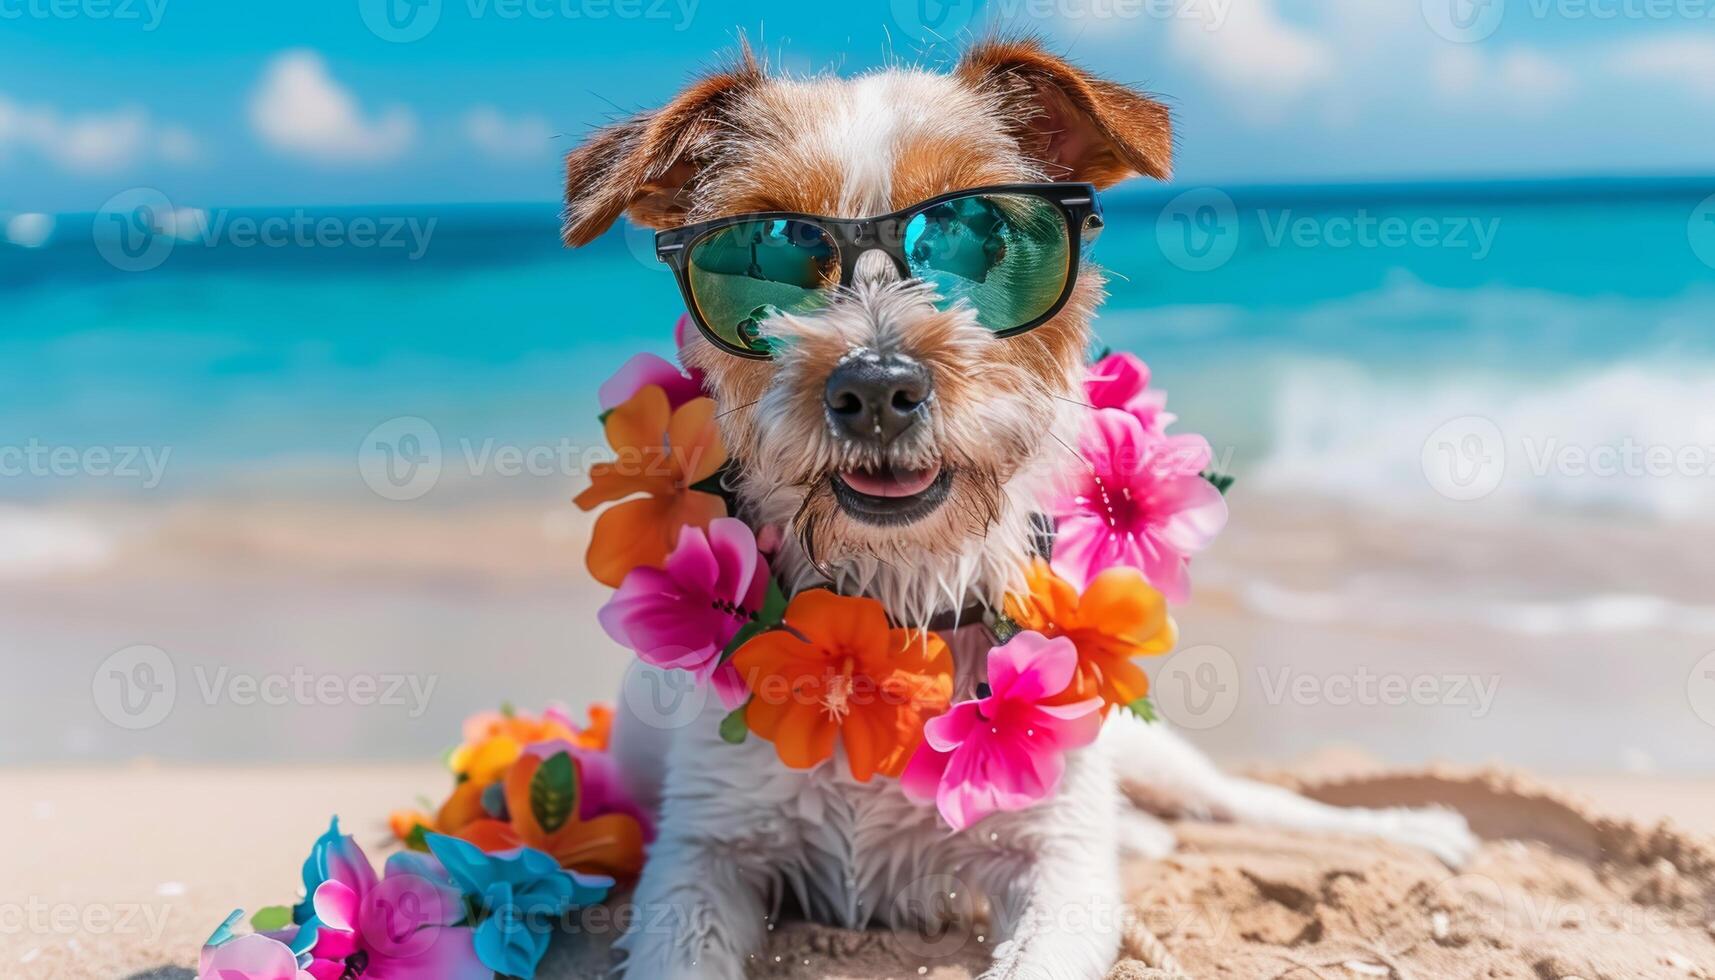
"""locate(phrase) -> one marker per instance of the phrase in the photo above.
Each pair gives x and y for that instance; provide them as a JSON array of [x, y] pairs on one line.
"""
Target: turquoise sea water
[[1254, 305]]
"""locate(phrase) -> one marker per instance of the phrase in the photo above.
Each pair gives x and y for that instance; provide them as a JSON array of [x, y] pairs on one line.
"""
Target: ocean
[[1473, 426], [1302, 328]]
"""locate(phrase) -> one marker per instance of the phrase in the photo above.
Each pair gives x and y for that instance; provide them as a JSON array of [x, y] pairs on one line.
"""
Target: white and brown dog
[[981, 419]]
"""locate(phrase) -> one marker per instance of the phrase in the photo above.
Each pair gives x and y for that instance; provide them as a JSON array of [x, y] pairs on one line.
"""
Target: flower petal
[[1031, 667]]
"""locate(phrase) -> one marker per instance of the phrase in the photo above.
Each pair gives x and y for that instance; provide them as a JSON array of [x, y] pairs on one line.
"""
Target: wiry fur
[[740, 833]]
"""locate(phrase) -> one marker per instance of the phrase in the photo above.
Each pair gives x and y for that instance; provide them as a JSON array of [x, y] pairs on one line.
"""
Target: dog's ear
[[644, 164], [1082, 127]]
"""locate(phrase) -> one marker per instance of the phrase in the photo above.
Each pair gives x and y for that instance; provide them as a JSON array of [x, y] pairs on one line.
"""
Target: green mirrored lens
[[1007, 255], [745, 273]]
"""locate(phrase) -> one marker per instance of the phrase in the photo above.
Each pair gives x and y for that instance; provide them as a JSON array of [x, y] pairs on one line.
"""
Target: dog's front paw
[[1443, 833]]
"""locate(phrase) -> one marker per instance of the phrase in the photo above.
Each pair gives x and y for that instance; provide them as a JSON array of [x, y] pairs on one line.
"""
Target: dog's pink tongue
[[890, 482]]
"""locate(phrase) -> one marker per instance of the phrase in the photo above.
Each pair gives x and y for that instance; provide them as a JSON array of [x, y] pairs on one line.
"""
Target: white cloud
[[92, 143], [1254, 55], [1686, 61], [299, 108], [518, 138], [1522, 80], [30, 230]]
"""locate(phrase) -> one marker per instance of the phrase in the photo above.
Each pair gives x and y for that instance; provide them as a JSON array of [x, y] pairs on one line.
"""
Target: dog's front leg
[[1056, 896], [1061, 920], [698, 915]]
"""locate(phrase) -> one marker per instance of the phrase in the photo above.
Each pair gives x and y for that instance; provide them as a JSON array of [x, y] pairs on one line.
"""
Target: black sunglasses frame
[[852, 237]]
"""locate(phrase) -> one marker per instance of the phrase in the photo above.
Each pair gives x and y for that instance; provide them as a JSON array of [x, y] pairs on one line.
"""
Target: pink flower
[[1142, 502], [1005, 751], [648, 369], [683, 616], [601, 788], [252, 957], [1122, 381], [400, 926]]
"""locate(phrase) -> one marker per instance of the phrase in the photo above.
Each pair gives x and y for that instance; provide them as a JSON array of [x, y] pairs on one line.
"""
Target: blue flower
[[333, 857], [521, 893]]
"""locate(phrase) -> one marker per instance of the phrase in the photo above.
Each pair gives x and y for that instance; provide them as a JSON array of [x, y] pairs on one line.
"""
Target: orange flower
[[600, 729], [404, 823], [838, 671], [662, 453], [1119, 617], [542, 812], [493, 740]]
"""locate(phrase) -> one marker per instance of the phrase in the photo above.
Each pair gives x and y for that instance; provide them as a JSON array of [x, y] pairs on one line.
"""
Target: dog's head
[[900, 447]]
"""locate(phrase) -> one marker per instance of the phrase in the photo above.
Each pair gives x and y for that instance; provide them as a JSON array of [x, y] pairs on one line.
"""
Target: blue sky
[[223, 103]]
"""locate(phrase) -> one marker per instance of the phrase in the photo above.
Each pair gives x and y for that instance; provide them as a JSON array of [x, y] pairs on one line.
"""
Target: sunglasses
[[1011, 252]]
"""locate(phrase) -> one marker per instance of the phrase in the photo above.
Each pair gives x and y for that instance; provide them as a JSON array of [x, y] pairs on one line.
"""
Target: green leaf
[[507, 710], [602, 417], [1222, 481], [417, 839], [1144, 709], [769, 616], [744, 635], [712, 482], [554, 792], [774, 605], [733, 728], [271, 919]]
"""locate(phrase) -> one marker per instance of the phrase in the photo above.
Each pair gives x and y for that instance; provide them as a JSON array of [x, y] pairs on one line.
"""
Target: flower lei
[[538, 823], [820, 670]]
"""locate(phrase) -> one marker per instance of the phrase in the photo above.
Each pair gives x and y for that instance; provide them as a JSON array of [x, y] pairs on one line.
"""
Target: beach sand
[[121, 873], [1562, 646]]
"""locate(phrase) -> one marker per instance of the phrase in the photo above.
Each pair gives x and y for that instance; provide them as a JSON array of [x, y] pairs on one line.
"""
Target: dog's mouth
[[892, 495]]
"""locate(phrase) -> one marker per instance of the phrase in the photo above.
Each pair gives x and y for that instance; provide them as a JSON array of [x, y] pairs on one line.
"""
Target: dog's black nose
[[876, 397]]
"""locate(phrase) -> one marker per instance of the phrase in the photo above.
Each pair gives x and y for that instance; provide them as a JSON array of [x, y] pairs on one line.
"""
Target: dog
[[970, 429]]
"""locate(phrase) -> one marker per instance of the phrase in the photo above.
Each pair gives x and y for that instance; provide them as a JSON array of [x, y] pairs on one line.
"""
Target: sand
[[121, 873], [113, 867]]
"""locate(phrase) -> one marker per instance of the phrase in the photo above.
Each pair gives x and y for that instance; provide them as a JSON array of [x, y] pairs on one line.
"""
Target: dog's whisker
[[1075, 401], [1056, 437], [739, 408]]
